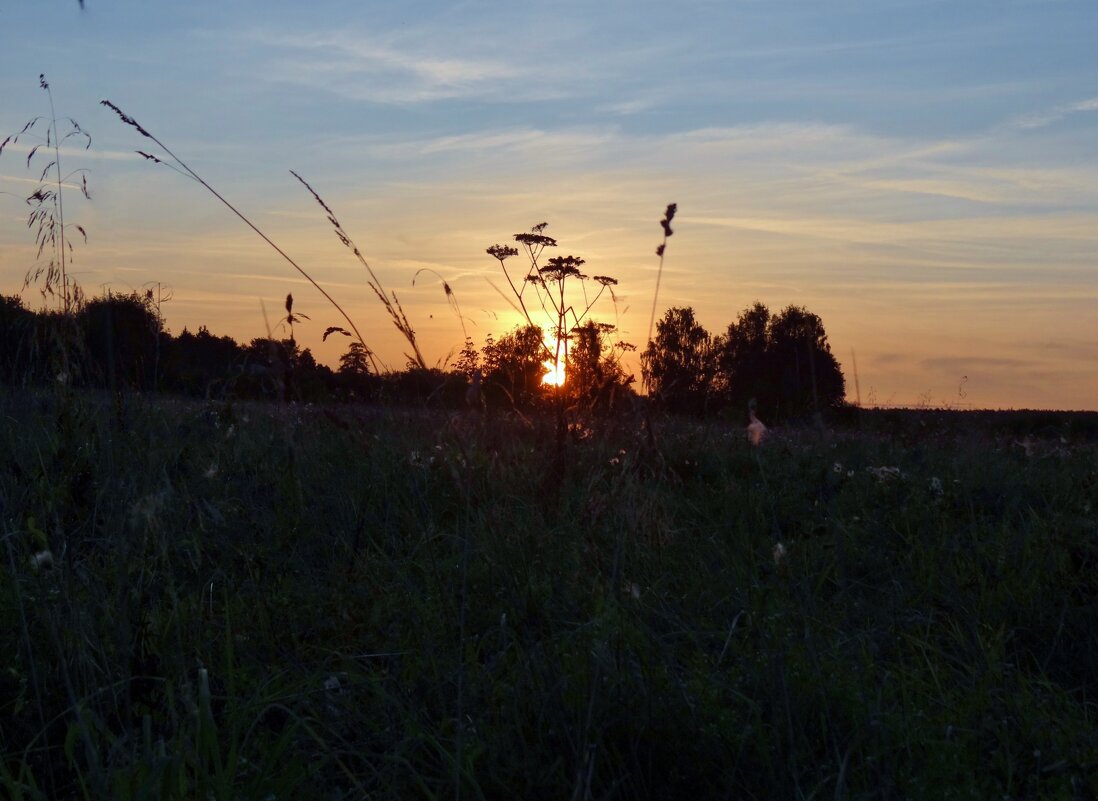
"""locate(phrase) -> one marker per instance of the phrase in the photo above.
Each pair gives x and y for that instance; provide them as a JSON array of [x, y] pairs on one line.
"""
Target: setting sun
[[554, 370], [554, 375]]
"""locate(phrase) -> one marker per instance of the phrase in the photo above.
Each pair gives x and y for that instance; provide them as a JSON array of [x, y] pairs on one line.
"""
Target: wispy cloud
[[384, 69], [1042, 119], [519, 141]]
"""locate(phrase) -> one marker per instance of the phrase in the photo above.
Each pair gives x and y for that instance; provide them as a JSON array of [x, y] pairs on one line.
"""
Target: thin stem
[[656, 295], [130, 121], [59, 199]]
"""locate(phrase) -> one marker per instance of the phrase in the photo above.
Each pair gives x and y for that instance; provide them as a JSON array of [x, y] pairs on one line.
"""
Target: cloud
[[382, 69], [1042, 119], [970, 365]]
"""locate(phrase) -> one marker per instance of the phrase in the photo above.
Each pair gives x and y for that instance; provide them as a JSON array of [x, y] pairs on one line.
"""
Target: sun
[[554, 371]]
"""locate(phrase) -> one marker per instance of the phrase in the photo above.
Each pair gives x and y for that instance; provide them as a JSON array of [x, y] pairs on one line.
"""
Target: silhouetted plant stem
[[60, 197], [128, 120], [668, 216]]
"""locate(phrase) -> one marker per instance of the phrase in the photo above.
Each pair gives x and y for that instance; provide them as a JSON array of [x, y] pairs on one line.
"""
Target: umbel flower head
[[561, 267], [502, 252]]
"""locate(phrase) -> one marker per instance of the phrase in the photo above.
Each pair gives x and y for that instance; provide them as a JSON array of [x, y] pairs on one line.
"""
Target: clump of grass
[[47, 202]]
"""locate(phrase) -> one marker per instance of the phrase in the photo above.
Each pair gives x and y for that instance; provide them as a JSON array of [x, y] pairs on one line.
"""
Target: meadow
[[260, 601]]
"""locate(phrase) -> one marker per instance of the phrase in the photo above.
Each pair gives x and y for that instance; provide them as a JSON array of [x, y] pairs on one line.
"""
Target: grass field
[[264, 602]]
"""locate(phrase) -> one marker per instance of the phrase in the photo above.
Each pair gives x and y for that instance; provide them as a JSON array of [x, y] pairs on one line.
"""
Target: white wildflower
[[42, 559], [779, 553], [936, 486]]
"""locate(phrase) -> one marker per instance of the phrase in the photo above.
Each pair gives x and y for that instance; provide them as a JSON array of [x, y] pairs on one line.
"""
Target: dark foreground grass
[[263, 602]]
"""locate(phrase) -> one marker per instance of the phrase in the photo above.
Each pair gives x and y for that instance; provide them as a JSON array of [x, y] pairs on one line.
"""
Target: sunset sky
[[921, 174]]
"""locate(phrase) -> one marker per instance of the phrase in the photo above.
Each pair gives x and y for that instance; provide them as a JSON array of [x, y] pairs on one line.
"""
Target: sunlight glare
[[554, 373]]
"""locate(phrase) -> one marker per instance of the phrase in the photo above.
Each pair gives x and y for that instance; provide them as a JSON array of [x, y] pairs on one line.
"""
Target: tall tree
[[782, 361], [356, 361], [743, 358], [678, 363], [807, 375]]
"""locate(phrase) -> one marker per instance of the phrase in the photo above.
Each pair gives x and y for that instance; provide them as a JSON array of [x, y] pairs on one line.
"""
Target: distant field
[[256, 602]]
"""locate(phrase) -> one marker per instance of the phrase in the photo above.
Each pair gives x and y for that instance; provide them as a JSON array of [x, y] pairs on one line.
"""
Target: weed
[[47, 202]]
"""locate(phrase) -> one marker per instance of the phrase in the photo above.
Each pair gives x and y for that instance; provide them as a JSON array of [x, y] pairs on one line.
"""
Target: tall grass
[[47, 202], [256, 601]]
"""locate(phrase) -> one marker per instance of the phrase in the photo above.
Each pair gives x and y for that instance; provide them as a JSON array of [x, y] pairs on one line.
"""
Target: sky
[[923, 175]]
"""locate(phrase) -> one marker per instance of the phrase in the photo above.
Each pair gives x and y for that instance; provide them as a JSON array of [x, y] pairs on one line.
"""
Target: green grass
[[260, 602]]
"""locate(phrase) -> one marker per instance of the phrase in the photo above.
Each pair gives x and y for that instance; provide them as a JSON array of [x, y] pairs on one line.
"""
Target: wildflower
[[779, 553], [837, 468], [755, 430], [936, 486], [210, 471], [332, 689], [884, 474], [42, 560]]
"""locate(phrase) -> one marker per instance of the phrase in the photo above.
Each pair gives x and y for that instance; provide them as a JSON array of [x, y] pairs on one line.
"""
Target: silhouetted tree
[[807, 374], [784, 362], [121, 334], [513, 367], [678, 363], [743, 360], [356, 361], [194, 362], [17, 329], [353, 375], [468, 360], [595, 379]]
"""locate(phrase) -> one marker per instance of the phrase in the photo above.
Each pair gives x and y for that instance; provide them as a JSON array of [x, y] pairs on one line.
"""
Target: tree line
[[780, 362]]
